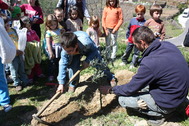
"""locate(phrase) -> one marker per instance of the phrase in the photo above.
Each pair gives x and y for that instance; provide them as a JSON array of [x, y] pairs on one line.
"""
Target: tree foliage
[[181, 7]]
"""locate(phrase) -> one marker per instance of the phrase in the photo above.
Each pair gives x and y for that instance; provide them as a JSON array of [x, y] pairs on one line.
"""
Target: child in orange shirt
[[112, 19]]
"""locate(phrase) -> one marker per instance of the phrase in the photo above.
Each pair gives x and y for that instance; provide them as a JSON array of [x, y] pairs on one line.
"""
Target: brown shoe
[[19, 88], [71, 89]]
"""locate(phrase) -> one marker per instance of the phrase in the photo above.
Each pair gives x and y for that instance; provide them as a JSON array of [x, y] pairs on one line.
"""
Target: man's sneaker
[[131, 67], [71, 89], [51, 78], [156, 121], [7, 107], [113, 82], [19, 88], [122, 64]]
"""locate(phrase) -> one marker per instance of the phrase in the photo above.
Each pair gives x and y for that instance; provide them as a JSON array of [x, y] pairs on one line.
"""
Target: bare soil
[[85, 102]]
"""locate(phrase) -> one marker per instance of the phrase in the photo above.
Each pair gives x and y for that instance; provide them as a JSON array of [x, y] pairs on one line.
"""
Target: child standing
[[34, 12], [74, 23], [112, 19], [17, 65], [32, 37], [6, 56], [135, 22], [52, 37], [16, 13], [94, 31], [155, 23], [59, 13]]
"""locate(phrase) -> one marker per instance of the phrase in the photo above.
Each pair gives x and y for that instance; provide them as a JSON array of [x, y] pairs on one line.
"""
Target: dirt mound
[[87, 101]]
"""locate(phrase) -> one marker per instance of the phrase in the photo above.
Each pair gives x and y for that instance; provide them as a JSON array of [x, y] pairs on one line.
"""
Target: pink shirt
[[32, 35], [94, 34], [31, 11]]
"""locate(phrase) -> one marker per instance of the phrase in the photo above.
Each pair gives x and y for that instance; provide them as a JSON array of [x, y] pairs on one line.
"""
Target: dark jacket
[[165, 70]]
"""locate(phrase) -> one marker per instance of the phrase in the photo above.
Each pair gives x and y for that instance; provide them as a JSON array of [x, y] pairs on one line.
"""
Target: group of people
[[159, 87], [13, 43], [25, 33]]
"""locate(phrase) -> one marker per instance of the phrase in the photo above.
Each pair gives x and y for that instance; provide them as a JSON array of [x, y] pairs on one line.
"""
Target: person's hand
[[88, 20], [113, 31], [84, 65], [35, 20], [19, 52], [107, 32], [62, 30], [157, 34], [105, 89], [60, 88], [142, 104], [51, 55], [126, 41]]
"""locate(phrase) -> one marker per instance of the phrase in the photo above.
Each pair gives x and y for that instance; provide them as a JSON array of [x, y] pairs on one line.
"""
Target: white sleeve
[[7, 47]]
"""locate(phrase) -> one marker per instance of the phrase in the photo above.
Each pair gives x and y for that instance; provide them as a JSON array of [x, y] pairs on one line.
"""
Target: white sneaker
[[122, 64], [7, 107], [131, 67]]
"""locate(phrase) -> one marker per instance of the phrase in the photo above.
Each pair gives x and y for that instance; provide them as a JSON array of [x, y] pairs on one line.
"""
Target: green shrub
[[182, 6]]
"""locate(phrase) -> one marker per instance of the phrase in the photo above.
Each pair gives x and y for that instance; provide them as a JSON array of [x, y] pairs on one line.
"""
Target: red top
[[3, 5], [32, 35], [31, 11]]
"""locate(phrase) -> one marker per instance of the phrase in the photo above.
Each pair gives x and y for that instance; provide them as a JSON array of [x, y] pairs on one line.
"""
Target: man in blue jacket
[[163, 70], [75, 45]]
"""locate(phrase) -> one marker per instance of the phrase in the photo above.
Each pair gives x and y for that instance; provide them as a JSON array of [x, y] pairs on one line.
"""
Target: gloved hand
[[142, 104]]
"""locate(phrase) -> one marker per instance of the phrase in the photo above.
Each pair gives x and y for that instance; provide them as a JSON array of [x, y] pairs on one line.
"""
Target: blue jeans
[[127, 53], [73, 68], [18, 72], [7, 69], [4, 93], [152, 110]]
